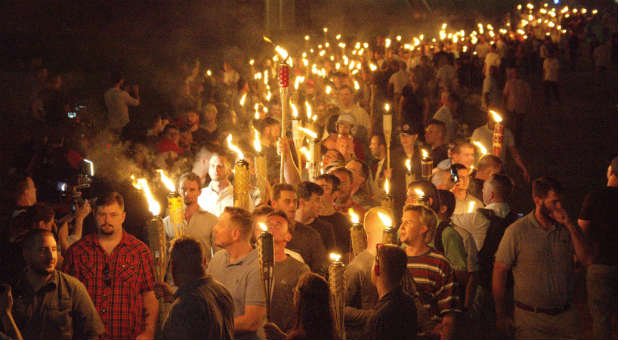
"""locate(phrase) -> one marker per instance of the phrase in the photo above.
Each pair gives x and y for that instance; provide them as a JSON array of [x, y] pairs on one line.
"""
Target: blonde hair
[[426, 217]]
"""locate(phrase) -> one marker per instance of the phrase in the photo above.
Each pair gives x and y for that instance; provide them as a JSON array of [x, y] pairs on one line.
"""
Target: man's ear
[[236, 234], [443, 209]]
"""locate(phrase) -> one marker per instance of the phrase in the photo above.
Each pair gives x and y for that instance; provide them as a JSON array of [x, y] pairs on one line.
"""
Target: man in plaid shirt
[[117, 270]]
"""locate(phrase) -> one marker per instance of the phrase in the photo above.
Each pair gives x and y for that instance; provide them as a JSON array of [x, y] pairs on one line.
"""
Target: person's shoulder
[[296, 265], [84, 244], [134, 242], [72, 283]]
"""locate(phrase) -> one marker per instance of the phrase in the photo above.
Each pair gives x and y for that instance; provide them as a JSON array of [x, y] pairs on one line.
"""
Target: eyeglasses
[[106, 277]]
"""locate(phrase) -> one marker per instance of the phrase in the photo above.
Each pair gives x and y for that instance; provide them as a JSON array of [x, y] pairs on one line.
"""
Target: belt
[[549, 311]]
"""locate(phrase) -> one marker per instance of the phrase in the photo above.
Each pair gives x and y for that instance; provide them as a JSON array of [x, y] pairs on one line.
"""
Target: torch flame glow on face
[[481, 147], [497, 118], [334, 257], [310, 133], [169, 184], [409, 164], [141, 184], [234, 148], [386, 220], [353, 216], [257, 145], [471, 206]]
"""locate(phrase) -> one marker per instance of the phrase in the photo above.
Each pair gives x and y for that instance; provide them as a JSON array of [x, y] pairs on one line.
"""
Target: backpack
[[486, 255]]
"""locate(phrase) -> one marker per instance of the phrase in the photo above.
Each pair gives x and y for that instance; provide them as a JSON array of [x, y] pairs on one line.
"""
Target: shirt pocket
[[127, 271], [61, 319]]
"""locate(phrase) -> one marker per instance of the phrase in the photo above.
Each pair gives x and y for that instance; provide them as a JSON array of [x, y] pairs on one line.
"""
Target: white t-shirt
[[491, 59], [444, 115]]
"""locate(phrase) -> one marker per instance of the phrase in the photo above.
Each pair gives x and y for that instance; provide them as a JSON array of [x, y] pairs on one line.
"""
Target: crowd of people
[[441, 255]]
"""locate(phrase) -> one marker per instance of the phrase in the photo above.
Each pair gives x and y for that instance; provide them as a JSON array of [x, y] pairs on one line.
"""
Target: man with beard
[[50, 304], [539, 249], [341, 224], [198, 222], [117, 270], [309, 202]]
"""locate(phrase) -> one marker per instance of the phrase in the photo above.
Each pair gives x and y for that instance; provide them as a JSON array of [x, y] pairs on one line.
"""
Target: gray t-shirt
[[287, 273], [542, 262], [241, 278], [360, 294]]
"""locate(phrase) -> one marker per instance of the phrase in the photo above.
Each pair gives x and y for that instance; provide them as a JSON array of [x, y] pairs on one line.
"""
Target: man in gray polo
[[236, 267], [539, 249]]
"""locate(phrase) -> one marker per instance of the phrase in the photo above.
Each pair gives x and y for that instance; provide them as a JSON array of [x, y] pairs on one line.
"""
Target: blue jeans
[[601, 287]]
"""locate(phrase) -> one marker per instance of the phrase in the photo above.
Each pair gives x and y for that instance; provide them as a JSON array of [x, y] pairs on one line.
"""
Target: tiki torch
[[266, 253], [242, 178], [426, 165], [387, 202], [155, 230], [336, 284], [409, 175], [389, 234], [175, 205], [284, 83], [498, 135], [261, 169], [357, 233], [387, 126], [313, 153]]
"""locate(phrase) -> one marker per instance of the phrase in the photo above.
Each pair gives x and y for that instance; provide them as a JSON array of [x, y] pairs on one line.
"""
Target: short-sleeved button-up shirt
[[542, 262], [60, 309], [116, 282]]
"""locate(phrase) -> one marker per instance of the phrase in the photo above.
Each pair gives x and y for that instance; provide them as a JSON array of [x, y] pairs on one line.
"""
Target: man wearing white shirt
[[349, 106], [551, 66], [220, 192], [198, 223], [117, 102], [445, 115], [491, 59]]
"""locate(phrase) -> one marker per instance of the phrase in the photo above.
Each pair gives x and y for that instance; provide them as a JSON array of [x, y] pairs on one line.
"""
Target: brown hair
[[184, 248], [241, 219], [111, 198]]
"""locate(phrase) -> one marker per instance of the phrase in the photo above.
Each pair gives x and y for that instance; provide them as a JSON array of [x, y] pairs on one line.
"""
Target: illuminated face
[[42, 256], [344, 128], [433, 135], [328, 196], [223, 231], [549, 204], [344, 187], [110, 218], [375, 147], [329, 157], [286, 203], [357, 171], [345, 97], [190, 191], [217, 169], [311, 207], [464, 157], [411, 229], [278, 226]]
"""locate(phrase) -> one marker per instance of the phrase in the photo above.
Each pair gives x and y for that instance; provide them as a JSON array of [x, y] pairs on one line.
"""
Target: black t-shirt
[[394, 317], [308, 243], [599, 208], [341, 227], [326, 231], [413, 105]]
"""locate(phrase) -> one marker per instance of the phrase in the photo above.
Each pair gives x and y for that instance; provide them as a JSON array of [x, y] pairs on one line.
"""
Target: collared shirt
[[116, 282], [435, 282], [214, 202], [60, 309], [541, 260], [394, 317], [199, 226], [203, 309], [485, 135], [477, 224], [241, 278]]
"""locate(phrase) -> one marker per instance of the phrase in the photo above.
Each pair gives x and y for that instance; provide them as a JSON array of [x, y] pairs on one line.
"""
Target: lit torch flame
[[387, 186], [328, 89], [306, 152], [263, 227], [471, 206], [419, 193], [496, 116], [282, 52], [387, 107], [242, 99], [335, 257], [353, 216], [294, 110], [308, 109], [425, 153], [386, 220], [409, 164], [481, 147], [169, 184], [257, 145], [310, 133], [234, 148], [141, 184]]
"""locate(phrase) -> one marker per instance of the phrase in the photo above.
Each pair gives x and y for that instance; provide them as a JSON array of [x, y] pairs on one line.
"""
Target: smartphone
[[72, 114]]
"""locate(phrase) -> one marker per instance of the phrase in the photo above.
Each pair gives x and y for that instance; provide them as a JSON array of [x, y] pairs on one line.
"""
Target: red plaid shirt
[[115, 282]]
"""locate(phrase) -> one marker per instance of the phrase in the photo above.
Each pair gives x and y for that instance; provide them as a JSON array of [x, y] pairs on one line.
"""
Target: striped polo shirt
[[435, 282]]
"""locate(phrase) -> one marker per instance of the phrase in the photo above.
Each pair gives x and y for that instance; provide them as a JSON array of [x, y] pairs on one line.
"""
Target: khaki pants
[[530, 325]]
